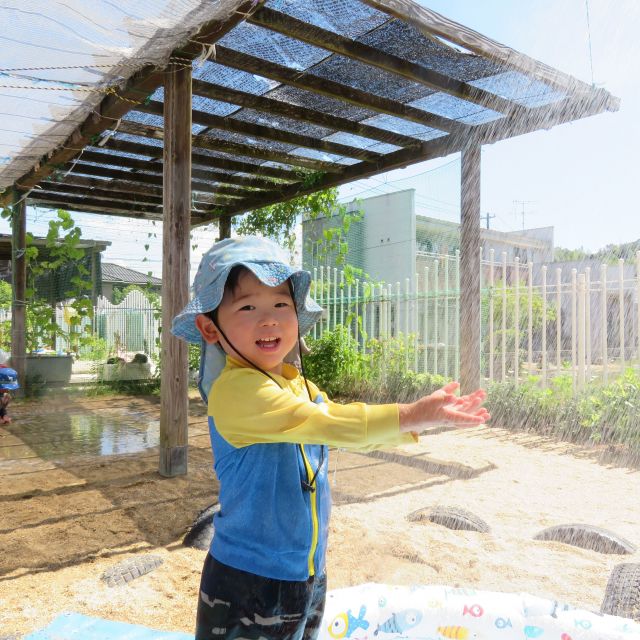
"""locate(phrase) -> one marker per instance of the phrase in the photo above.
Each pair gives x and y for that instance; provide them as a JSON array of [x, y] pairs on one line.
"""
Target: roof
[[6, 240], [116, 274], [289, 96]]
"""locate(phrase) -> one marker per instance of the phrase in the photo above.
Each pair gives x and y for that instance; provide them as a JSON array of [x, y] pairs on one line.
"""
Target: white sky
[[580, 178]]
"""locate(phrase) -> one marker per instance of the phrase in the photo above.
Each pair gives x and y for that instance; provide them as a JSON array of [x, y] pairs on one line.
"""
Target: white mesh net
[[59, 59]]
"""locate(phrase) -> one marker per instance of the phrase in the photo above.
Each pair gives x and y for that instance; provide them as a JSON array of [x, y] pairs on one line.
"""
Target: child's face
[[260, 321]]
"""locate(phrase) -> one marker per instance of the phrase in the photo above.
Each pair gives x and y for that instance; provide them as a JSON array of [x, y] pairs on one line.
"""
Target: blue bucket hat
[[8, 379], [269, 263]]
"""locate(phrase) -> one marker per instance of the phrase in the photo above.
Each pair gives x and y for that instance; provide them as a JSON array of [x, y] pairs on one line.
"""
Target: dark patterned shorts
[[238, 605]]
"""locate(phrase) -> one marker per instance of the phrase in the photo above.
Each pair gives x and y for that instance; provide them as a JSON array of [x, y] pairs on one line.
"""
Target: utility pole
[[487, 216], [522, 203]]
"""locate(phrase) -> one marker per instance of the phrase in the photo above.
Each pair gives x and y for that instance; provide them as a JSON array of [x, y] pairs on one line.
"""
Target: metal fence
[[563, 319], [578, 320], [131, 326]]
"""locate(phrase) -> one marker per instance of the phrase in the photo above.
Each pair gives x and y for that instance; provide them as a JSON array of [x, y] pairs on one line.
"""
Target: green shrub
[[601, 414], [380, 376], [94, 349], [194, 356], [334, 362]]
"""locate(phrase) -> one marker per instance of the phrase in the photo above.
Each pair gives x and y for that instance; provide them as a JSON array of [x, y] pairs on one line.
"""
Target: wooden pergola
[[293, 97]]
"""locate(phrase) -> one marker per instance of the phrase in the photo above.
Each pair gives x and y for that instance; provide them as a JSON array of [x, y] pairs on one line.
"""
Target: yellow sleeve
[[249, 408]]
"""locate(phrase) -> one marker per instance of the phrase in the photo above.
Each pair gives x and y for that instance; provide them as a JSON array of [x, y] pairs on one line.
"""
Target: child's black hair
[[230, 285]]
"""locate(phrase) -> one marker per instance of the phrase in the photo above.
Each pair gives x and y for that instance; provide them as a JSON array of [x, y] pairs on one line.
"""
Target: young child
[[5, 399], [264, 576]]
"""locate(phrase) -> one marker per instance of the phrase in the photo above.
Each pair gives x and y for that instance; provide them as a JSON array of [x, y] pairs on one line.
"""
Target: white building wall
[[390, 237]]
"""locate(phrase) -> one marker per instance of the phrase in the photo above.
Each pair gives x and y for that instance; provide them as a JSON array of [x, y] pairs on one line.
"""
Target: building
[[55, 285], [115, 276], [396, 252]]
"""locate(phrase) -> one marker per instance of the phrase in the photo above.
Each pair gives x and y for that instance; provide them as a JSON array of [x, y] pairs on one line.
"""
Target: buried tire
[[587, 537], [201, 532], [451, 517], [622, 595], [130, 569]]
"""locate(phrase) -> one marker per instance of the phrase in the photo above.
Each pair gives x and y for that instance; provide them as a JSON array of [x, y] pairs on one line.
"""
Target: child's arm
[[443, 407]]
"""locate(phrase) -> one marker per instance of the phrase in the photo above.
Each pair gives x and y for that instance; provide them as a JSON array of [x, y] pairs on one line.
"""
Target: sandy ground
[[69, 515]]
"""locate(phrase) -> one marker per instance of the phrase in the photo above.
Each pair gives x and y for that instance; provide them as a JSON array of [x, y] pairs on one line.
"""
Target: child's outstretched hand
[[443, 407]]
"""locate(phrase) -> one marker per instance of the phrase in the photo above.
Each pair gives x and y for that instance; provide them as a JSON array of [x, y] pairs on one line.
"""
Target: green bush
[[194, 356], [600, 414], [336, 365], [334, 362], [94, 349]]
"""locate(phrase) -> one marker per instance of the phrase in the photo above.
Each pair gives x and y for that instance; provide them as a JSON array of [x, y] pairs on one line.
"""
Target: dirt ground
[[71, 511]]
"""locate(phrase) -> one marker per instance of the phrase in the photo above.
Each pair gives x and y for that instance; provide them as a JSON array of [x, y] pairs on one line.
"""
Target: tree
[[6, 295], [278, 221], [61, 250]]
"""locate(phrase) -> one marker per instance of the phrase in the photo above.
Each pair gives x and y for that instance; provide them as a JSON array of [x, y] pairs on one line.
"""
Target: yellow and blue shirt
[[267, 440]]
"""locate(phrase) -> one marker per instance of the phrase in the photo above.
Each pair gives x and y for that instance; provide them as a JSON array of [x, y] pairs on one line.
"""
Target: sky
[[581, 178]]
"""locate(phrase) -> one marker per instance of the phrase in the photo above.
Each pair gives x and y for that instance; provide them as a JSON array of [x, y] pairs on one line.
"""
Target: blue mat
[[74, 626]]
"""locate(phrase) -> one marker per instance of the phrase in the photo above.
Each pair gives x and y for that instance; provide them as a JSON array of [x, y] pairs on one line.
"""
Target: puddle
[[109, 432]]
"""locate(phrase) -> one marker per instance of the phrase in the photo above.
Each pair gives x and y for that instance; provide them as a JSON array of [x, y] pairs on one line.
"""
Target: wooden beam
[[243, 127], [176, 228], [99, 194], [142, 179], [121, 186], [431, 23], [133, 199], [336, 43], [233, 148], [224, 228], [332, 89], [19, 286], [470, 294], [136, 90], [304, 114], [98, 183], [155, 168], [204, 160], [44, 198]]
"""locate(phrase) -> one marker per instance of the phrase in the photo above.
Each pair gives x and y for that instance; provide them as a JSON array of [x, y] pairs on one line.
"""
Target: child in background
[[8, 383], [264, 575], [5, 399]]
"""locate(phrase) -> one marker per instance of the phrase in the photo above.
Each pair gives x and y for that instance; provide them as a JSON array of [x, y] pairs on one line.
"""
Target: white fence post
[[621, 309], [587, 311], [416, 321], [492, 350], [544, 326], [503, 328], [530, 317], [638, 302], [516, 323], [425, 320], [558, 321], [436, 295], [573, 323], [604, 325], [581, 329], [457, 312]]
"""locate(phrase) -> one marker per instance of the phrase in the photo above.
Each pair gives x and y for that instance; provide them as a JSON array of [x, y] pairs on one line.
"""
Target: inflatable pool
[[381, 612]]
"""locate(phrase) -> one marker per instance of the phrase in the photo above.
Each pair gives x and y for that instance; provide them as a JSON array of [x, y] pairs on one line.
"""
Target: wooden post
[[175, 268], [470, 269], [19, 277], [224, 227]]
